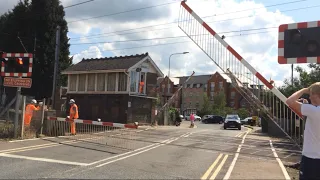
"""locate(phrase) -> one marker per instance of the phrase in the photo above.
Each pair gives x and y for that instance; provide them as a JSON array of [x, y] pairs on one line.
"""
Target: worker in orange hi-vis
[[141, 86], [73, 114], [29, 112]]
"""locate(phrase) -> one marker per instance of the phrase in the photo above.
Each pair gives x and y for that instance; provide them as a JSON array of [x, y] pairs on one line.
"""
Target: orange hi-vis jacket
[[73, 115], [74, 112], [29, 113], [141, 84]]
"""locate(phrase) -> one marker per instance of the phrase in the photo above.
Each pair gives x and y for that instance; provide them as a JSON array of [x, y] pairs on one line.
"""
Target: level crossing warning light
[[299, 43], [16, 64]]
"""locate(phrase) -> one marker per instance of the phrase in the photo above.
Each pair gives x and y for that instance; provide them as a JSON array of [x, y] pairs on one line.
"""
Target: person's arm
[[293, 102]]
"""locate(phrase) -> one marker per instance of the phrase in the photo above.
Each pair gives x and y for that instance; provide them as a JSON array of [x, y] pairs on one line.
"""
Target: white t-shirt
[[311, 138]]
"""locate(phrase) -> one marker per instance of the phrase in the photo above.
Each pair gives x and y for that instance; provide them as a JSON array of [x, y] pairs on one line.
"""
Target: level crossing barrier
[[259, 93], [88, 131]]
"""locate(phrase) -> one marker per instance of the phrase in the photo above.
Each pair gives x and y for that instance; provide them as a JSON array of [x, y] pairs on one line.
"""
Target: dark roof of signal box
[[107, 63]]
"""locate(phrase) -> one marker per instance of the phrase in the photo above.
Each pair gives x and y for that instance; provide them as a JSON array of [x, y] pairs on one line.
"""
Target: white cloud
[[87, 54], [259, 49]]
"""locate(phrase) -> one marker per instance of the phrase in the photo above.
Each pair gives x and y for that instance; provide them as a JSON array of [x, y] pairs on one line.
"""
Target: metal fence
[[261, 94]]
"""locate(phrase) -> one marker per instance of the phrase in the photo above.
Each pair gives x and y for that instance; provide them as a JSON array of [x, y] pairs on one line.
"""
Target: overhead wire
[[174, 22], [122, 12], [171, 37], [163, 44], [77, 4], [223, 20]]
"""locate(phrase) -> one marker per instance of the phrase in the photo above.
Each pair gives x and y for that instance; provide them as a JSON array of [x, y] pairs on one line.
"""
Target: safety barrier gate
[[116, 135], [257, 90]]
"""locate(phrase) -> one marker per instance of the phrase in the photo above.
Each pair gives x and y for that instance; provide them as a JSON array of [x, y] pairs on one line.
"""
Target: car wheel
[[239, 128]]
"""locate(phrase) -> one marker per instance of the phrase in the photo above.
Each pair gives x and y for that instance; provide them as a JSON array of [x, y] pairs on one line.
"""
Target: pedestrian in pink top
[[192, 119]]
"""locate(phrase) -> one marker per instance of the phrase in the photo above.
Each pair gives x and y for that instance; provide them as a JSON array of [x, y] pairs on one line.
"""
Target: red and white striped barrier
[[81, 121]]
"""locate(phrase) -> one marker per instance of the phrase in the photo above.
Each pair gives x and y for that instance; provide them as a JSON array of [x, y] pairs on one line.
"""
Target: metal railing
[[249, 83]]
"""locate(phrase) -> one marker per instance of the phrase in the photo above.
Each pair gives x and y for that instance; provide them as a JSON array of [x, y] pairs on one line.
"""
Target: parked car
[[246, 120], [213, 119], [196, 117], [232, 121]]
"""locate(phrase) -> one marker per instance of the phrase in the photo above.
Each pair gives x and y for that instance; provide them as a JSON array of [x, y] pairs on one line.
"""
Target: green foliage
[[219, 104], [304, 79], [243, 113], [206, 107], [32, 19]]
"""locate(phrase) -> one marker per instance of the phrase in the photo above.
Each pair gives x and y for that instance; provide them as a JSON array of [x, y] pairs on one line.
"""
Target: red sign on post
[[17, 82]]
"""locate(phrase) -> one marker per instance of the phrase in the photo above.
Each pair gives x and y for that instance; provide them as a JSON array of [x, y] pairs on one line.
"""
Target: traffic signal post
[[16, 69], [299, 43]]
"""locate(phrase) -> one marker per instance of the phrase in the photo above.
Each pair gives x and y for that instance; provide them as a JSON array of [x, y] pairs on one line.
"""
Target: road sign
[[17, 82], [25, 60], [299, 43]]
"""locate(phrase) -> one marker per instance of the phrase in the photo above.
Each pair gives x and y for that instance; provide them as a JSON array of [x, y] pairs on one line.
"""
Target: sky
[[104, 28]]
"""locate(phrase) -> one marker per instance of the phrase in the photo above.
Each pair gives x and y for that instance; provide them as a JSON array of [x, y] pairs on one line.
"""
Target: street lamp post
[[170, 63], [170, 60]]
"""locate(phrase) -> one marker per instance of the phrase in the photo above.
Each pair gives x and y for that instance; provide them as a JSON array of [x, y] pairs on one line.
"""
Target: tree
[[304, 79], [37, 19], [243, 113], [206, 106], [219, 103]]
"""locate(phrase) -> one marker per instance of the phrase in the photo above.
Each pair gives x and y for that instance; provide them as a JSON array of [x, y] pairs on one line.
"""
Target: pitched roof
[[201, 79], [107, 63]]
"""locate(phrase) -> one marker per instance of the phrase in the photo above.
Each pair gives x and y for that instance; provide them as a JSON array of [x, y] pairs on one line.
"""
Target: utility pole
[[56, 64]]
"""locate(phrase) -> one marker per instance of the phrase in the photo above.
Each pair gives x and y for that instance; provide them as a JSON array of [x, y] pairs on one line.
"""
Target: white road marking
[[43, 159], [233, 163], [284, 171], [129, 152], [125, 157]]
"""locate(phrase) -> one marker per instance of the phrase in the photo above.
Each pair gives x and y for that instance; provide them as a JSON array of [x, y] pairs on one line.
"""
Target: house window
[[82, 82], [163, 87], [91, 82], [169, 88], [212, 86], [73, 82], [133, 81], [198, 85], [101, 82], [232, 103], [122, 82], [233, 94], [211, 96], [220, 85], [111, 81]]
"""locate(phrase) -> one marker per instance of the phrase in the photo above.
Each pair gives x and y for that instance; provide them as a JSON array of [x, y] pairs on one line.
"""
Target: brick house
[[165, 89], [192, 93], [108, 88]]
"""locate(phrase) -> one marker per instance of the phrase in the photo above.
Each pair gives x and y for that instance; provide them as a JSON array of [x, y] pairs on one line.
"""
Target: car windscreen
[[232, 117]]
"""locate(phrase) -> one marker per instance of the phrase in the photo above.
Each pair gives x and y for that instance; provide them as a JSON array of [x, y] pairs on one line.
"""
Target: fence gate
[[258, 91]]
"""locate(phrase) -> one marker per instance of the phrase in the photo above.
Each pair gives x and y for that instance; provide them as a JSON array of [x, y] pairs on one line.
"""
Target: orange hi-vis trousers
[[73, 127]]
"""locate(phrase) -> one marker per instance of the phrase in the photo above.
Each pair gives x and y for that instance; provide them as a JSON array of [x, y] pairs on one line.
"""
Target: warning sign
[[17, 82]]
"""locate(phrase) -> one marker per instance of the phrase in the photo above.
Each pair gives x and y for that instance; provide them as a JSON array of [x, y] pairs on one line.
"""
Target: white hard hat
[[34, 101], [72, 101]]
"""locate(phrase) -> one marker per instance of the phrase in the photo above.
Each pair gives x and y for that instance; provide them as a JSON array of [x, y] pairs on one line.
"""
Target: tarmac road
[[205, 152]]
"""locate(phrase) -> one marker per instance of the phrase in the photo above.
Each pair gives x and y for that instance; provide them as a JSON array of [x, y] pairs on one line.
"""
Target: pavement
[[205, 152]]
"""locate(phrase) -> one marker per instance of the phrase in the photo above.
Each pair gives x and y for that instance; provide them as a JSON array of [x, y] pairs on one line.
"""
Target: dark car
[[213, 119], [232, 121]]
